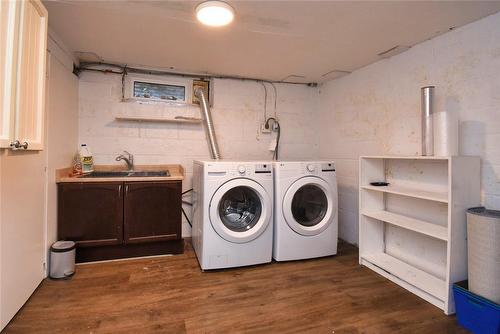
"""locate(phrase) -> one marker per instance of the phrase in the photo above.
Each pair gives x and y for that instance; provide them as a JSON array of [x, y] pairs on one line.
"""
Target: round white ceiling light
[[214, 13]]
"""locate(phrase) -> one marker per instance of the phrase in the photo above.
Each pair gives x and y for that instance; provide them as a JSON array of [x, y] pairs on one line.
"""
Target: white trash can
[[62, 259]]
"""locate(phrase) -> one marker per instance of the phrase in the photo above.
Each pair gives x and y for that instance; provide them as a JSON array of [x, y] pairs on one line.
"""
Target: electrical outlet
[[263, 128]]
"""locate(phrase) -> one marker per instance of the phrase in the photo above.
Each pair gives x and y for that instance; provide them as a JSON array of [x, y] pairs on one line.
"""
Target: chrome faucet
[[129, 159]]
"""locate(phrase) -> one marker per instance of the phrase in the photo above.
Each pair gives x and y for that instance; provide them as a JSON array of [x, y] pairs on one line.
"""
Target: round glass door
[[240, 210], [308, 205]]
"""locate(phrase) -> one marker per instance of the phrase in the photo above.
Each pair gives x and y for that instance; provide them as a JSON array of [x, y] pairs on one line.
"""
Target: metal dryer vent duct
[[209, 126]]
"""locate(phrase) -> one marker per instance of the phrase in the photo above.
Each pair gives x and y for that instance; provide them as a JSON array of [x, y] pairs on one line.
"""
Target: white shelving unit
[[413, 231]]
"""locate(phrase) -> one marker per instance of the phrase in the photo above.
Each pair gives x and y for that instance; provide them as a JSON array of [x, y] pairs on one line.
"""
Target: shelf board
[[405, 272], [177, 119], [411, 192], [416, 225], [406, 157]]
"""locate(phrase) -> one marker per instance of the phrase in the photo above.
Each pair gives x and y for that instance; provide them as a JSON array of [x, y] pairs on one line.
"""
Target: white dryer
[[232, 213], [305, 210]]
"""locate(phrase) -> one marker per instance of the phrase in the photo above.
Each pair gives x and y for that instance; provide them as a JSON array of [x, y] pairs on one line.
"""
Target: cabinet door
[[9, 30], [30, 94], [90, 213], [152, 211]]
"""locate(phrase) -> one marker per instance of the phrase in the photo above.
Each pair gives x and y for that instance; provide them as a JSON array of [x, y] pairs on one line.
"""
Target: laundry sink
[[164, 173]]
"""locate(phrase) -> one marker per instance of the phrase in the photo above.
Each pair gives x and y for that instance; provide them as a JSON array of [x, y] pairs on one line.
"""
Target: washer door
[[240, 210], [308, 205]]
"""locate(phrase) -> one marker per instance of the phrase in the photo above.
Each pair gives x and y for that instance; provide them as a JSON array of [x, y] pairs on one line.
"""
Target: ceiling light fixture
[[214, 13]]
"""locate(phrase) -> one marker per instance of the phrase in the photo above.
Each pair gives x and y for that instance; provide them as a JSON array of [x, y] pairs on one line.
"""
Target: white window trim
[[176, 81]]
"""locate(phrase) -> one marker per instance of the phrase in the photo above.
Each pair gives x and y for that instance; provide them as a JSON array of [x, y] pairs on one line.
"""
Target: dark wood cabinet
[[91, 214], [152, 211], [110, 220]]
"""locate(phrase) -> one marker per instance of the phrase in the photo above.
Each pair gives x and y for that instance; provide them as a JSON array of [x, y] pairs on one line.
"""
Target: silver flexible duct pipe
[[209, 126]]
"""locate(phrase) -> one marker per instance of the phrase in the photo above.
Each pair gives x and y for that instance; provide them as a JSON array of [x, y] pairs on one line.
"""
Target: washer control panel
[[263, 169], [239, 169], [328, 167], [242, 169]]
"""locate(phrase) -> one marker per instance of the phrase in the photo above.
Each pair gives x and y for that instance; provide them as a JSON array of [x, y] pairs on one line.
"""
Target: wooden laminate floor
[[171, 295]]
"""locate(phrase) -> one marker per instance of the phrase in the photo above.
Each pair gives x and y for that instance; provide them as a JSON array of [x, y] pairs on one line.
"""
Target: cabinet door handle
[[16, 145], [120, 190], [126, 189]]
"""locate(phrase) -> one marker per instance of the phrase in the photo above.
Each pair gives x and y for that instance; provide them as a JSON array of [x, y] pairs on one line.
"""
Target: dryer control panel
[[310, 168], [317, 167]]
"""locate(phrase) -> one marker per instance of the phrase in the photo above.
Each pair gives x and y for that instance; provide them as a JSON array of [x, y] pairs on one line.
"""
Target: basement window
[[159, 91], [153, 88]]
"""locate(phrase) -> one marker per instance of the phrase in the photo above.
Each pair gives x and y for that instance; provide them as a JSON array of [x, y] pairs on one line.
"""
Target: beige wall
[[376, 110], [62, 125], [238, 112]]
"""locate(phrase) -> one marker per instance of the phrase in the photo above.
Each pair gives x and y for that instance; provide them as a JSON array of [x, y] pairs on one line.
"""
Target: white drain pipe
[[209, 126]]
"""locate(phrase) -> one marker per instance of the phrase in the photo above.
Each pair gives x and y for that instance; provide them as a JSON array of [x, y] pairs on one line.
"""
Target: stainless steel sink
[[164, 173]]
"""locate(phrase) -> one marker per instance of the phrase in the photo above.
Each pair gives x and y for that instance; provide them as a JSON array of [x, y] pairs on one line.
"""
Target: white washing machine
[[305, 210], [232, 213]]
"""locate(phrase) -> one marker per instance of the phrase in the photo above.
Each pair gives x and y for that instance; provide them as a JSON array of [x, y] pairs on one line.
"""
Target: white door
[[22, 241], [240, 210], [22, 173], [308, 205]]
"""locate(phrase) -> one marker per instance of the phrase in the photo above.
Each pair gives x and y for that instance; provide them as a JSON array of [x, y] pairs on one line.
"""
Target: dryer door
[[240, 210], [308, 205]]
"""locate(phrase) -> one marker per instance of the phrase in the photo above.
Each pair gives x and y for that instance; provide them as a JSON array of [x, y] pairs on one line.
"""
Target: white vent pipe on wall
[[209, 126]]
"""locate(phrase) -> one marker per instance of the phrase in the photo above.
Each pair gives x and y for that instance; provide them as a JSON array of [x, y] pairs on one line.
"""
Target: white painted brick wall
[[238, 110], [376, 109]]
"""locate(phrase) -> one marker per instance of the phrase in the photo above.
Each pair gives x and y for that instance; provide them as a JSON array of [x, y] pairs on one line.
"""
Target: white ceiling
[[268, 39]]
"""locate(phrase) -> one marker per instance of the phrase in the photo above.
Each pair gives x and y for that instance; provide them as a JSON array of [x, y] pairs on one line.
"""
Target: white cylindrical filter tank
[[62, 259], [445, 133], [483, 251], [427, 96]]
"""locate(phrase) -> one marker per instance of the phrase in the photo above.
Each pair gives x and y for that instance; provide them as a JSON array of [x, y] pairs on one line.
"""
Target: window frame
[[130, 81]]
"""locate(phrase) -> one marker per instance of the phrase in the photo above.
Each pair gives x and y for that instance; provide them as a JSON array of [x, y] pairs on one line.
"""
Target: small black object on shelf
[[379, 184]]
